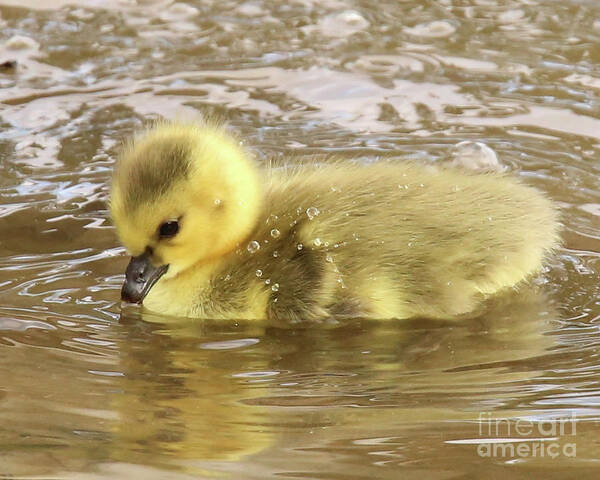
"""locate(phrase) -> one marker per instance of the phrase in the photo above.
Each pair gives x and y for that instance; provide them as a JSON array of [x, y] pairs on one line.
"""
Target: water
[[93, 391]]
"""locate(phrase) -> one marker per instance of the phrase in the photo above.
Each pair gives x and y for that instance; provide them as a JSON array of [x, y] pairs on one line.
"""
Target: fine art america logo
[[524, 438]]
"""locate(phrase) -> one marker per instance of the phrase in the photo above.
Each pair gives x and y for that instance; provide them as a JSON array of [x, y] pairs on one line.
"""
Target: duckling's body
[[386, 240]]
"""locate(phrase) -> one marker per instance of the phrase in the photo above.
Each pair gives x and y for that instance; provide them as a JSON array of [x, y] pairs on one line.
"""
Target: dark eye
[[168, 229]]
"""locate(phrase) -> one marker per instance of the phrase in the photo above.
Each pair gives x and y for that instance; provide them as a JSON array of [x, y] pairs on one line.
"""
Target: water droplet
[[267, 281], [275, 233], [490, 219], [317, 242], [217, 201], [259, 273], [312, 212], [299, 246], [275, 253], [275, 287], [329, 259], [253, 246]]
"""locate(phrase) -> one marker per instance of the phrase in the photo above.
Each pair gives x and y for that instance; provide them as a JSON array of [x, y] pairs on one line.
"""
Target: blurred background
[[91, 391]]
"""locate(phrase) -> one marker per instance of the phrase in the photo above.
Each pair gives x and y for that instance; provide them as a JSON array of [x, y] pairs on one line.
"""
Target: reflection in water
[[93, 391], [201, 397]]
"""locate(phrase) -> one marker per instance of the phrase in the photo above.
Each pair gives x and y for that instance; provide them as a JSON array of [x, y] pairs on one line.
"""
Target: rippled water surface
[[91, 391]]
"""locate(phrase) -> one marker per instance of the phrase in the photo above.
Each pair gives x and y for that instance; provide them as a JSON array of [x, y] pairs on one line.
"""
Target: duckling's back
[[392, 240]]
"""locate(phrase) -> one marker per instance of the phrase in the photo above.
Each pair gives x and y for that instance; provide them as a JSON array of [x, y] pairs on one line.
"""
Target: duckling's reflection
[[180, 397], [213, 391]]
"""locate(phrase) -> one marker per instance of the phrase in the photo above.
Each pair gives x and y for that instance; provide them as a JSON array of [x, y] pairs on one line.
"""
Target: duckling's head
[[182, 195]]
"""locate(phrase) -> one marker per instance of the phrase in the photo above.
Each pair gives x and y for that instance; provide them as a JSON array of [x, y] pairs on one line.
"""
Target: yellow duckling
[[214, 235]]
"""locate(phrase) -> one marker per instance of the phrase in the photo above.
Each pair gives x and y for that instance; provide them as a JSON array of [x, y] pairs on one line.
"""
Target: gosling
[[214, 235]]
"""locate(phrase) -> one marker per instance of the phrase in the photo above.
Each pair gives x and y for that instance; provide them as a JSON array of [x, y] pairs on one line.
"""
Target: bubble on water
[[250, 10], [435, 29], [329, 258], [20, 42], [275, 254], [299, 246], [253, 246], [180, 10], [317, 242], [476, 156], [217, 201], [275, 287], [341, 24], [511, 16], [275, 233], [312, 212], [259, 273], [267, 281]]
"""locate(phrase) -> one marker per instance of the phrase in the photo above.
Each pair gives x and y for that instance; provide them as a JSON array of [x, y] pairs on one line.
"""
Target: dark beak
[[140, 276]]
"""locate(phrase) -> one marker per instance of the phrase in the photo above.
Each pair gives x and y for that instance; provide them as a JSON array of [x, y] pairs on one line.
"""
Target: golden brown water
[[89, 391]]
